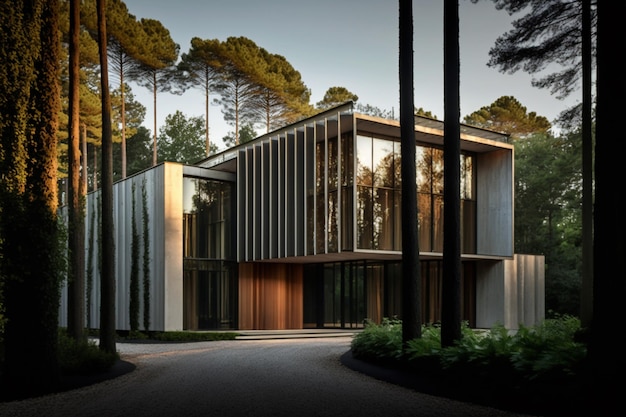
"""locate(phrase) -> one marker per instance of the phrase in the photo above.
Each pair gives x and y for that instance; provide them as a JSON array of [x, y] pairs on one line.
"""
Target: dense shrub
[[534, 368], [83, 357], [379, 342]]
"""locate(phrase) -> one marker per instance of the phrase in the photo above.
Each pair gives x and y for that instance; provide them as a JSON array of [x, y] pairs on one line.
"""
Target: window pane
[[397, 220], [347, 160], [347, 218], [364, 160], [424, 221], [382, 162], [467, 177], [383, 219], [422, 169], [437, 223], [206, 219], [468, 226], [332, 164], [364, 217], [333, 230], [397, 165], [436, 170]]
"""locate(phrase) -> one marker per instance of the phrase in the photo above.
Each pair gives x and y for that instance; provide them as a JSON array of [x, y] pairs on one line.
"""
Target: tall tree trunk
[[95, 167], [29, 239], [206, 112], [451, 291], [123, 118], [586, 297], [76, 223], [107, 275], [84, 178], [154, 102], [411, 291], [608, 362]]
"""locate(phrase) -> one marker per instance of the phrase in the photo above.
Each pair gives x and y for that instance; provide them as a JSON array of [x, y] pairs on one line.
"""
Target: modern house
[[301, 228]]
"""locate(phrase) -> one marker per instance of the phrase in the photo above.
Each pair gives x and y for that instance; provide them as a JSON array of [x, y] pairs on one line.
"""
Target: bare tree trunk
[[411, 291], [95, 168], [154, 102], [84, 178], [76, 223], [586, 297], [107, 276], [123, 117], [451, 291], [206, 122]]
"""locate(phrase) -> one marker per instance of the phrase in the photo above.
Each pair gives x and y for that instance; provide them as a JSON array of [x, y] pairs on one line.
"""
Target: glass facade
[[378, 189], [209, 272], [329, 190], [352, 292]]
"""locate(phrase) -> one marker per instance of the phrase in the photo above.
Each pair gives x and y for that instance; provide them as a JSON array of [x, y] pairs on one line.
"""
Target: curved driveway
[[279, 377]]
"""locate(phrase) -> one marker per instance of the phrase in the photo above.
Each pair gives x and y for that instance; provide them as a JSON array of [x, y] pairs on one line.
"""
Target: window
[[378, 187]]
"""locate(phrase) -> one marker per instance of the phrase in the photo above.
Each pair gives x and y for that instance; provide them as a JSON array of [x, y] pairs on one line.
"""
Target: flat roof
[[427, 129]]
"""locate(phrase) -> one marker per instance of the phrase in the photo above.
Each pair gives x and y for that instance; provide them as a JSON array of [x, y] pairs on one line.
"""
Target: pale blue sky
[[348, 43]]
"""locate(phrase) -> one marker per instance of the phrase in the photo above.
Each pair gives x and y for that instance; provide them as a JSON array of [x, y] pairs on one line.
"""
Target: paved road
[[289, 377]]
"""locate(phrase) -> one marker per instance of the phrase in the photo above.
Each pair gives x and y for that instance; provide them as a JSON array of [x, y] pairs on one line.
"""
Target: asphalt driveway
[[276, 377]]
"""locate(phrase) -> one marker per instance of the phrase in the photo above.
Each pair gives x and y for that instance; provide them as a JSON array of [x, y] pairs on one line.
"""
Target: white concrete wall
[[163, 185], [510, 292], [494, 203], [172, 246]]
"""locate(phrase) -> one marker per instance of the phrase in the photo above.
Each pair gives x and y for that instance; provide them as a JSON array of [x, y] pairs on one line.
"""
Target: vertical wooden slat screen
[[270, 296]]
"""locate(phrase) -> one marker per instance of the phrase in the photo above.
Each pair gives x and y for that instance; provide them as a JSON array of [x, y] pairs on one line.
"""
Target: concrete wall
[[163, 186], [172, 249], [494, 203], [510, 292]]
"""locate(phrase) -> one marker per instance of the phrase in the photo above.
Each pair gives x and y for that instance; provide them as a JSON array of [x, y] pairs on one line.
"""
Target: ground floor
[[179, 263], [295, 296], [337, 295]]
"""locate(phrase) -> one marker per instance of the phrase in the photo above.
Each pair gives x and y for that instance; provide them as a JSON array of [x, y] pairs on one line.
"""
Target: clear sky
[[351, 44]]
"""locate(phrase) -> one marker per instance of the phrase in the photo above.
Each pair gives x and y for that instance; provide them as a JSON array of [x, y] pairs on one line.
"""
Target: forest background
[[257, 91]]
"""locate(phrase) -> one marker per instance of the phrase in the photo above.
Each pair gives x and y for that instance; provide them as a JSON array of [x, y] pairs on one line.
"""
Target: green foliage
[[548, 217], [138, 151], [181, 139], [246, 134], [425, 113], [82, 357], [374, 111], [536, 41], [549, 348], [479, 349], [427, 345], [507, 115], [379, 342], [335, 96], [540, 364]]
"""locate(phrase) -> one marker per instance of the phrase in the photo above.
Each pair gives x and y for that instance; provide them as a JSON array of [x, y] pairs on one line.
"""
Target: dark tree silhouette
[[107, 274], [76, 213], [411, 293], [451, 286], [608, 362]]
